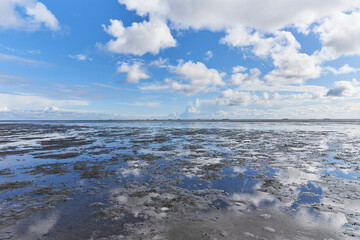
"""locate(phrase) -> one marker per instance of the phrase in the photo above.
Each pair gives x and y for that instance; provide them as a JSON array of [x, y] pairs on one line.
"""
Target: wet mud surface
[[180, 180]]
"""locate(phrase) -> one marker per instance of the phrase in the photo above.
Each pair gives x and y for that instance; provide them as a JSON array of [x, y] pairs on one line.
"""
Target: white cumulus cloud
[[134, 72], [345, 89], [238, 69], [160, 63], [343, 70], [239, 77], [28, 15], [190, 78], [195, 78], [139, 38], [232, 97], [340, 35], [291, 66]]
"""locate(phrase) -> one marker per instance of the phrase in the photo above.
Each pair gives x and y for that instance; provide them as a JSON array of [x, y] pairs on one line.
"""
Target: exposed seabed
[[180, 180]]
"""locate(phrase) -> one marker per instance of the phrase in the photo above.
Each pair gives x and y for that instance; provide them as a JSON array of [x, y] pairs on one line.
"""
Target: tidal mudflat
[[180, 180]]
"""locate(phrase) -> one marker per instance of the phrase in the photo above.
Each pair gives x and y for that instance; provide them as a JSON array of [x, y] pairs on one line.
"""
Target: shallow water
[[180, 180]]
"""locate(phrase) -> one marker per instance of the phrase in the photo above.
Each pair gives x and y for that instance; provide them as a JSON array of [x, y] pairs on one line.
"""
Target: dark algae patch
[[14, 185], [180, 180]]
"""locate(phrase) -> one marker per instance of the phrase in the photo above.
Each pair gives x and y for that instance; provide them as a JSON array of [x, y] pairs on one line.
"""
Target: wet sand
[[180, 180]]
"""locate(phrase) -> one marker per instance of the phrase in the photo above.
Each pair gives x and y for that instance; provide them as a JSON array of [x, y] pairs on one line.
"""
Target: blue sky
[[139, 59]]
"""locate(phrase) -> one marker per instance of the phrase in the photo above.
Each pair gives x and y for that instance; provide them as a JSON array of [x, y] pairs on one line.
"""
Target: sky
[[179, 59]]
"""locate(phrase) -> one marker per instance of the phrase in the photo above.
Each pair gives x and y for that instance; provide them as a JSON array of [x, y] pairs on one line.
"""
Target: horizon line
[[189, 120]]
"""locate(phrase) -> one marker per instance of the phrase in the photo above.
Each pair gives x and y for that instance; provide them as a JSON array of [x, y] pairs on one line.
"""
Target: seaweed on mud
[[101, 152], [127, 157], [114, 160], [193, 146], [214, 167], [165, 148], [54, 168], [80, 165], [14, 185], [66, 142], [50, 190], [7, 152], [161, 139], [148, 157], [5, 171], [211, 176], [142, 141], [42, 190], [96, 171], [58, 155]]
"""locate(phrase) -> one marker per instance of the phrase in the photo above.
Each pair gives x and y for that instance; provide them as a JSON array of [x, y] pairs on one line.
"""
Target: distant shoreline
[[188, 120]]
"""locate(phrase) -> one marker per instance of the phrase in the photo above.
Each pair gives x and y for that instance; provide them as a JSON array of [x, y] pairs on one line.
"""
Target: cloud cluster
[[335, 21], [139, 38], [296, 101], [160, 63], [265, 35], [232, 97], [240, 77], [345, 89], [340, 34], [28, 15], [337, 109], [219, 15], [343, 70], [195, 78], [291, 66], [191, 78], [135, 72]]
